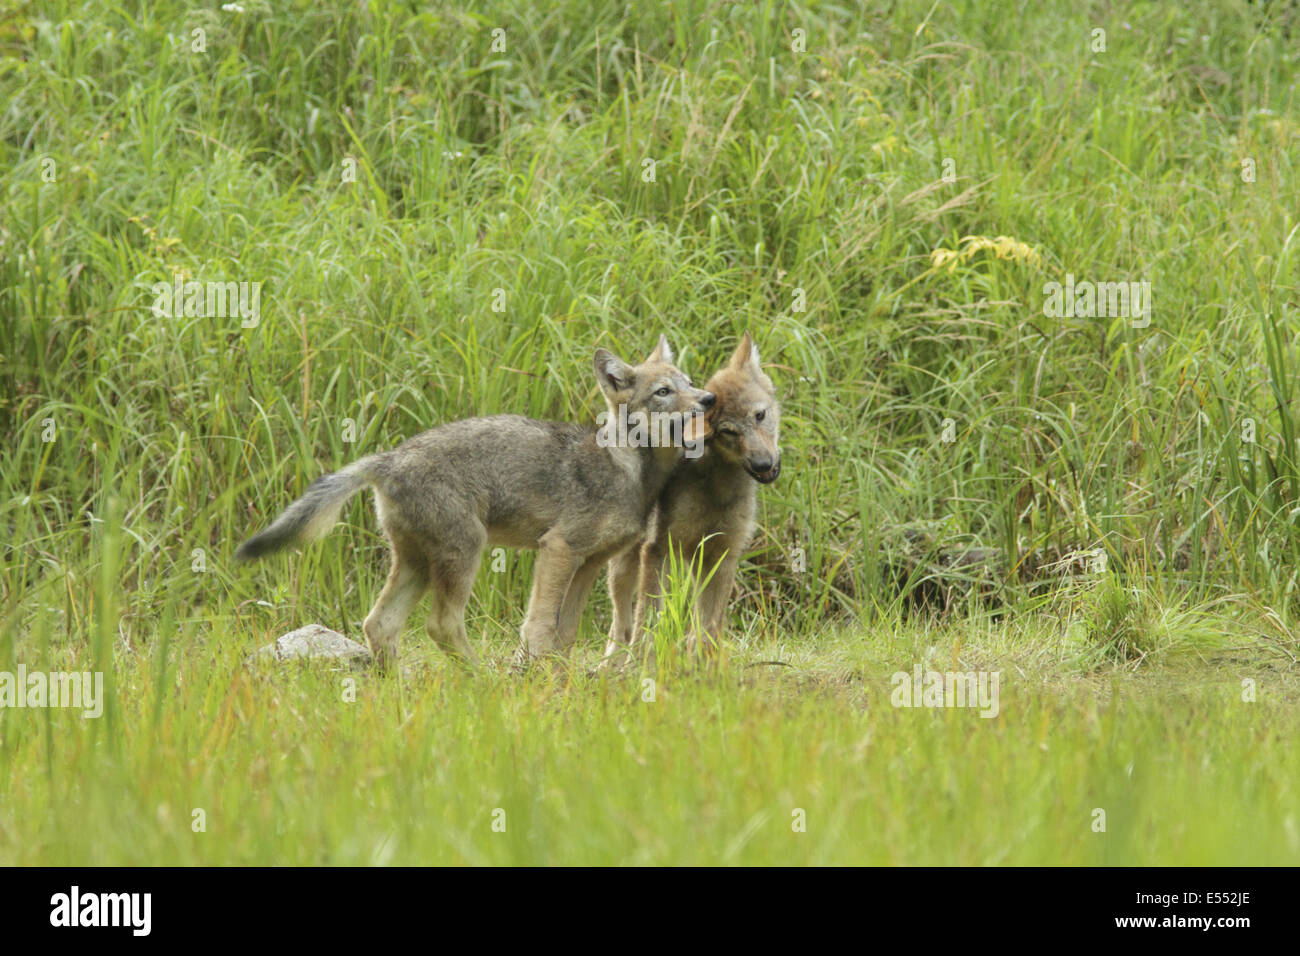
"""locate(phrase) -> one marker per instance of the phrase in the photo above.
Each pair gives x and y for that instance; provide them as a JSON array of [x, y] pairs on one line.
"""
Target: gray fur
[[448, 493], [706, 513], [312, 515]]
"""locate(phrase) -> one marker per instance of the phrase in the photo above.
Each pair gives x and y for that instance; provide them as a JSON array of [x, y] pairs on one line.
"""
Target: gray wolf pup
[[707, 510], [570, 492]]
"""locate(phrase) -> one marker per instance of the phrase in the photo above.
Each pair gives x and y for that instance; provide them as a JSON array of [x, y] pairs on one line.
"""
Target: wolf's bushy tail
[[312, 515]]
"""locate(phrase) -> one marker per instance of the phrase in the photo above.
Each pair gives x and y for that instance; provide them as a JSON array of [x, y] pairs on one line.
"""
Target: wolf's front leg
[[649, 593], [556, 564], [624, 570], [714, 598], [576, 600]]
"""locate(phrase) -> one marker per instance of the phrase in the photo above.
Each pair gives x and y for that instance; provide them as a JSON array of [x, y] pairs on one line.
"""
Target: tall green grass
[[779, 175]]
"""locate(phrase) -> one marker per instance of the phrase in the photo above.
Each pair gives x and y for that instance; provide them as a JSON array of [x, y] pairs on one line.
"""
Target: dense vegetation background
[[775, 171]]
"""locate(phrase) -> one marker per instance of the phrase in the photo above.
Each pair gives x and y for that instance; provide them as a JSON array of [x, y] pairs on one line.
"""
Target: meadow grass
[[441, 230], [755, 764]]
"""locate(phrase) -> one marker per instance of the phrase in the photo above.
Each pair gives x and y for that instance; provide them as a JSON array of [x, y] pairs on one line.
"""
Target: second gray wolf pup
[[448, 493], [707, 510]]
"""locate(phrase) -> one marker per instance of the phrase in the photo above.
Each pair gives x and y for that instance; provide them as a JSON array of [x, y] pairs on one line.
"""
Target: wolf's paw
[[526, 661], [617, 658], [521, 661]]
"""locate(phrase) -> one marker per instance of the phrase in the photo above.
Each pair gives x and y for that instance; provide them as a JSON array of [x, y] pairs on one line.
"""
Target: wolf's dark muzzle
[[765, 471]]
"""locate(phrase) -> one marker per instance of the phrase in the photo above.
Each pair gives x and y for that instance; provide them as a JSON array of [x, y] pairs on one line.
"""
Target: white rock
[[314, 641]]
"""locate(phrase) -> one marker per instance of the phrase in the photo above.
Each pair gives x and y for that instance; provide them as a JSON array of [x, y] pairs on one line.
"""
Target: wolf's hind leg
[[446, 625], [408, 579], [453, 582]]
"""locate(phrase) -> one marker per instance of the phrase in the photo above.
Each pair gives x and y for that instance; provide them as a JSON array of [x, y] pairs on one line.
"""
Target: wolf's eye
[[760, 415], [729, 432], [664, 392]]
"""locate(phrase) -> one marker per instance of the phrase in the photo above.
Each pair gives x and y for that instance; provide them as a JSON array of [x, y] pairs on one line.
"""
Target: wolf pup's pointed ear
[[746, 356], [662, 353], [613, 374]]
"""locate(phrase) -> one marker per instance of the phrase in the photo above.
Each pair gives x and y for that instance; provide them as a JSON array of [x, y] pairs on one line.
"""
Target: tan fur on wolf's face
[[746, 417], [657, 386]]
